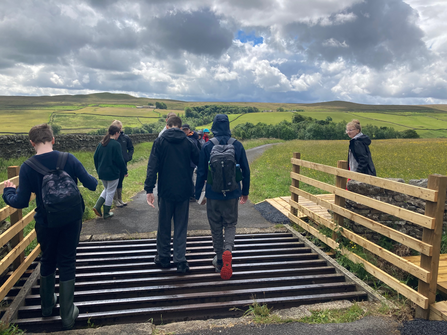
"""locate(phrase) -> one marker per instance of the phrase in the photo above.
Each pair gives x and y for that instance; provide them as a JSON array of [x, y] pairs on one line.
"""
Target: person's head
[[186, 128], [221, 126], [206, 131], [200, 133], [170, 114], [112, 132], [41, 133], [353, 128], [118, 124], [174, 122]]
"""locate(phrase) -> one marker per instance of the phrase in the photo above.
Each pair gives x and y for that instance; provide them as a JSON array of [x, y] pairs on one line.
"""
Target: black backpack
[[222, 166], [61, 198]]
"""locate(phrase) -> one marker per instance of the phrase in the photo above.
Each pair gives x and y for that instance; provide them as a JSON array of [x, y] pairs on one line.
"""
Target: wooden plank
[[17, 227], [323, 238], [278, 207], [295, 183], [392, 282], [19, 272], [340, 182], [13, 171], [15, 180], [438, 311], [433, 237], [18, 249], [394, 259], [407, 240], [19, 300], [421, 220], [419, 192], [6, 211]]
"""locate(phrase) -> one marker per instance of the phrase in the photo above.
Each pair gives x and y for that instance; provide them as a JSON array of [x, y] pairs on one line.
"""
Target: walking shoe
[[163, 263], [227, 270], [182, 267], [217, 263]]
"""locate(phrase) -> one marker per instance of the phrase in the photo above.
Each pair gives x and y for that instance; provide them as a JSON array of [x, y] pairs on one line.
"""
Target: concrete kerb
[[153, 234], [372, 295]]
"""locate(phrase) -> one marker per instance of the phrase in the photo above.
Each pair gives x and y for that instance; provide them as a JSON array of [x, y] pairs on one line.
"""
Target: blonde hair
[[355, 124], [117, 123]]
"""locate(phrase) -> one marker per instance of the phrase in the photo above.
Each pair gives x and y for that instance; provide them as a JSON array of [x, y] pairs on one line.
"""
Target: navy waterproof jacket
[[221, 131]]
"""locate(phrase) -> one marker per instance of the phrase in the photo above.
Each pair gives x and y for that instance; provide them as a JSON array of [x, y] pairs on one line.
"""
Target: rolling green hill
[[83, 113]]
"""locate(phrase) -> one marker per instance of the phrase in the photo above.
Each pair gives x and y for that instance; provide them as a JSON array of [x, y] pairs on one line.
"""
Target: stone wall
[[397, 199], [13, 146]]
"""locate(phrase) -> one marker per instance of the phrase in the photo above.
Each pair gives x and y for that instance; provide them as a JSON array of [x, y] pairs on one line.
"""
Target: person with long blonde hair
[[359, 155]]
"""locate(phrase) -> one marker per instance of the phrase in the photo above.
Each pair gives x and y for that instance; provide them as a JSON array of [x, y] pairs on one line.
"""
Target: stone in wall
[[13, 146], [395, 198]]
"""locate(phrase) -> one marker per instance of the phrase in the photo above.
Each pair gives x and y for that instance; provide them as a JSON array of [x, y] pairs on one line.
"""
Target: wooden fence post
[[340, 201], [433, 237], [295, 183], [13, 171]]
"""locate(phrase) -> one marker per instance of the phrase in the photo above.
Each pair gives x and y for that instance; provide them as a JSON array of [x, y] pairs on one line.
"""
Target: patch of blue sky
[[250, 37]]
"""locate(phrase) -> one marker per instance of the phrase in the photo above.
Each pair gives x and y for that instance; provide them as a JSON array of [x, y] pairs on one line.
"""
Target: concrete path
[[139, 217]]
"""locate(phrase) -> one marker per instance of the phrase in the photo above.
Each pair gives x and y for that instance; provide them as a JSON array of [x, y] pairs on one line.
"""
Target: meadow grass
[[400, 158]]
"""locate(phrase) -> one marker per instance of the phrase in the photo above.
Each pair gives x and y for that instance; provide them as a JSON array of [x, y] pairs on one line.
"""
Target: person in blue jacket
[[222, 210], [59, 243]]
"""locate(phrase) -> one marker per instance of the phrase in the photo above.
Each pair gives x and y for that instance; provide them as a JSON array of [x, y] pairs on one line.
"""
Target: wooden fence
[[18, 243], [431, 221]]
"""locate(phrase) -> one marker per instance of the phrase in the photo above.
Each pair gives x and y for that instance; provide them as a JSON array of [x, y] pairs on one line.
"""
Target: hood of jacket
[[221, 127], [173, 135], [362, 138], [194, 135]]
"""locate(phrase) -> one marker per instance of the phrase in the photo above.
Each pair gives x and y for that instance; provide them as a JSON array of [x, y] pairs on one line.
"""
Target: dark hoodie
[[359, 147], [170, 157], [221, 131]]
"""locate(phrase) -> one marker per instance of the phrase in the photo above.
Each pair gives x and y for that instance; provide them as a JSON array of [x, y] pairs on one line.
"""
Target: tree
[[56, 129], [280, 109], [160, 105]]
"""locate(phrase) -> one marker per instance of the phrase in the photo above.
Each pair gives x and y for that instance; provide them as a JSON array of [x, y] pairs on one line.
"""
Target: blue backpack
[[61, 198]]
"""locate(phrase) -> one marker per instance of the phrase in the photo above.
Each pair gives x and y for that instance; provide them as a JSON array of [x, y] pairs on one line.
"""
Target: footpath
[[139, 220]]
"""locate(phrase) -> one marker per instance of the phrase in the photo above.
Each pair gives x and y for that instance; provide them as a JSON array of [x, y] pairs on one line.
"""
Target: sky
[[290, 51]]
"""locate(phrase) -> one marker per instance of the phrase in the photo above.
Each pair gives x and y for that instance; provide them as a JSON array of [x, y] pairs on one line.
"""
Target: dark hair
[[41, 133], [174, 121], [112, 131]]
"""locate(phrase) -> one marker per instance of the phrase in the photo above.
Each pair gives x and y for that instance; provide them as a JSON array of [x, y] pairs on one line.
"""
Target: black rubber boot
[[47, 297], [69, 312], [107, 212], [97, 207]]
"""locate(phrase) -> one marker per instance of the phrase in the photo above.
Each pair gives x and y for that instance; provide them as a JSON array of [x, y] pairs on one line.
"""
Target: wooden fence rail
[[431, 221], [15, 237]]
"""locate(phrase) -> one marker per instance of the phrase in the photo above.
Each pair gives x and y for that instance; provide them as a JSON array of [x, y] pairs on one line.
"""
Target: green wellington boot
[[107, 212], [69, 312], [47, 297], [97, 207]]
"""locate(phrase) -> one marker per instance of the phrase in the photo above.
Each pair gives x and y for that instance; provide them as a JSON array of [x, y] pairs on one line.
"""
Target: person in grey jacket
[[127, 149], [359, 156]]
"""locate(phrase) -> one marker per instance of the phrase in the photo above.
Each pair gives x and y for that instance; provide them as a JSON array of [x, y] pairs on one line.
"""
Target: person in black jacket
[[58, 244], [170, 158], [359, 156], [222, 209], [127, 148], [109, 164]]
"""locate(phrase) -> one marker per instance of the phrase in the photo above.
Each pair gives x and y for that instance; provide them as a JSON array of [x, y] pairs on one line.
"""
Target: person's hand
[[9, 183], [203, 202], [126, 175], [150, 199], [244, 199]]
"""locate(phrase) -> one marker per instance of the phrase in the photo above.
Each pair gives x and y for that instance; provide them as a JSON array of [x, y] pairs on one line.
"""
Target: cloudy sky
[[364, 51]]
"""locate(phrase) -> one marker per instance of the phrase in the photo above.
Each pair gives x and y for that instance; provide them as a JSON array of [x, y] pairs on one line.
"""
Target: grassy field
[[407, 159], [18, 114]]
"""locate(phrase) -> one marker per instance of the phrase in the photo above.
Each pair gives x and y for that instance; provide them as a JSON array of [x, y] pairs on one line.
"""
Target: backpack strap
[[37, 166], [231, 140], [61, 160], [214, 140]]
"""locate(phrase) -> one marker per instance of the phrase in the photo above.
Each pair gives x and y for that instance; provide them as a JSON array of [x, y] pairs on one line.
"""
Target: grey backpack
[[222, 166]]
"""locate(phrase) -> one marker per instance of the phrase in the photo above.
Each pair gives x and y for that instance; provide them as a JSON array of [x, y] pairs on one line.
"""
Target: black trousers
[[120, 181], [59, 249], [179, 211]]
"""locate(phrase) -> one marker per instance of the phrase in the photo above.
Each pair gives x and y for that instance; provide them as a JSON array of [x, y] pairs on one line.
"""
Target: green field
[[94, 111]]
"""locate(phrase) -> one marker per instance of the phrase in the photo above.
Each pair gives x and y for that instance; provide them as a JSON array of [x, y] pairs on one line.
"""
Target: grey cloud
[[383, 32], [197, 32]]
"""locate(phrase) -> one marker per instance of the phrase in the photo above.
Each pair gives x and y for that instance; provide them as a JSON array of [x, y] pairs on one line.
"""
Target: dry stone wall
[[397, 199], [13, 146]]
